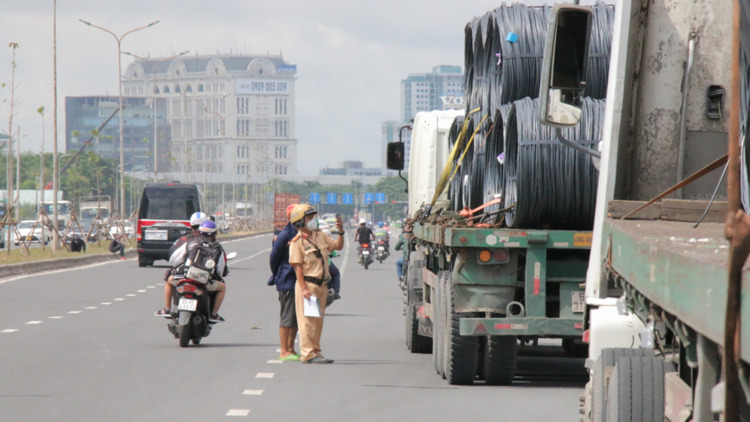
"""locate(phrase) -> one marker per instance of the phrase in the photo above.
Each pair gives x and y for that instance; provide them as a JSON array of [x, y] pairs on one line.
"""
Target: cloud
[[351, 57]]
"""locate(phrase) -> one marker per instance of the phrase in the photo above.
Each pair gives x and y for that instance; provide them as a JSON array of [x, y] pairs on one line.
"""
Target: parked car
[[30, 233], [116, 229]]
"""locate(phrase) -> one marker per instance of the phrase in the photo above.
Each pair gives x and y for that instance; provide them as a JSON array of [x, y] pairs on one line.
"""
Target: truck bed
[[681, 269]]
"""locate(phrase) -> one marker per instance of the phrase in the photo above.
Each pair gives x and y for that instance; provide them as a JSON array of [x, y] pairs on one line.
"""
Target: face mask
[[312, 225]]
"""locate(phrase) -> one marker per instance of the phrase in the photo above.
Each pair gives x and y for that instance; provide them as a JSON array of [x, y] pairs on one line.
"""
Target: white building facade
[[232, 118]]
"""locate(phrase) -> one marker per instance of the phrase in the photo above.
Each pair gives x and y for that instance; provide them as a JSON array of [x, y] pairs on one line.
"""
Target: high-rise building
[[441, 89], [232, 116]]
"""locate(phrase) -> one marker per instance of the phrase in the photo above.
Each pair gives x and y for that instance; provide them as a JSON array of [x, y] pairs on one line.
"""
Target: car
[[115, 229], [324, 227], [31, 231]]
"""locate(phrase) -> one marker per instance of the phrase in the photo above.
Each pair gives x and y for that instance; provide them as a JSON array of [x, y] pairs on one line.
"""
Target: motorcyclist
[[382, 234], [364, 234], [195, 222], [216, 284]]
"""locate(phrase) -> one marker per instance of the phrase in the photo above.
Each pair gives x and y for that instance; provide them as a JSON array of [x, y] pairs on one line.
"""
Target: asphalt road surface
[[83, 345]]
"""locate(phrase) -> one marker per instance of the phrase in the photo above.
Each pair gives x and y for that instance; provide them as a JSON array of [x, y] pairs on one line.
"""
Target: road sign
[[331, 198], [369, 198], [347, 199], [380, 198], [314, 198]]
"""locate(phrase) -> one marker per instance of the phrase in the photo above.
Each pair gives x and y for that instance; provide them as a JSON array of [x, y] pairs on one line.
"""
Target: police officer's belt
[[315, 280]]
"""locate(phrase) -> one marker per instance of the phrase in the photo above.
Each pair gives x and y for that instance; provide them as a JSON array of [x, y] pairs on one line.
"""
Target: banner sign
[[262, 86]]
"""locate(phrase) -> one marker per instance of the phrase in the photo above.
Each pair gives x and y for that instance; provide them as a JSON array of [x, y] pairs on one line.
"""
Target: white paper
[[312, 309]]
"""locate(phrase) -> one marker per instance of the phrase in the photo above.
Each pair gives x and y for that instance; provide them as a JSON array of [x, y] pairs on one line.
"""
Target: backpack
[[202, 258]]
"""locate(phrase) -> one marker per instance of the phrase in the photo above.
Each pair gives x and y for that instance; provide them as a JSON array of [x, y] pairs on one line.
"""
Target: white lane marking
[[265, 375], [252, 392], [119, 299], [91, 307], [74, 312], [151, 287], [10, 330], [33, 322], [345, 260], [56, 317], [130, 295], [251, 256], [141, 291], [238, 412], [278, 350], [106, 303], [274, 361]]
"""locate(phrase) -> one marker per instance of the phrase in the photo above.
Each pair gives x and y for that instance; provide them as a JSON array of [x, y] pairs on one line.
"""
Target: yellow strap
[[444, 177]]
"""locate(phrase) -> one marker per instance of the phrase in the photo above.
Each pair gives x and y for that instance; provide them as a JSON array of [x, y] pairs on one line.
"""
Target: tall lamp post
[[153, 107], [119, 87]]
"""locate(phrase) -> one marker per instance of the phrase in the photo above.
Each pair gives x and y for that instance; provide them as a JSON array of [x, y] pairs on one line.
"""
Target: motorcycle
[[381, 254], [365, 255], [191, 308]]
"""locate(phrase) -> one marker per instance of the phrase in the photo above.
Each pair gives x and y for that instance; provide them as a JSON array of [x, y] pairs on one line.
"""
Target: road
[[83, 345]]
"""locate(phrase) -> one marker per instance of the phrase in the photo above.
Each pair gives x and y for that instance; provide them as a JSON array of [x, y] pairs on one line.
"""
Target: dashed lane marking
[[33, 322], [106, 303], [92, 307], [265, 375], [275, 361], [56, 317], [10, 330], [252, 392], [130, 295], [238, 412], [119, 299], [74, 312]]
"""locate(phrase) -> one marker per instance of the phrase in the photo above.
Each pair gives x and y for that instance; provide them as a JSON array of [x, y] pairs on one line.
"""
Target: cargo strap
[[444, 177]]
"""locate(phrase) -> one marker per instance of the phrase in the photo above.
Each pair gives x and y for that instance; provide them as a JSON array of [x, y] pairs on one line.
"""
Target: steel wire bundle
[[549, 184], [455, 192], [492, 177]]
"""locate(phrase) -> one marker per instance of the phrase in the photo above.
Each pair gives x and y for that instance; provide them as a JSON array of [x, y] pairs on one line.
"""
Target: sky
[[351, 57]]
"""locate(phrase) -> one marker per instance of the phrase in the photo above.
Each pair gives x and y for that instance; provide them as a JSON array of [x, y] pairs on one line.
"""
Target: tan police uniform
[[302, 250]]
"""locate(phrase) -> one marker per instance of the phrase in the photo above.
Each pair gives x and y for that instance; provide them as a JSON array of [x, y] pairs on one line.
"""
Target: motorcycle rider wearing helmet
[[308, 255], [207, 231], [363, 235], [195, 222], [381, 233]]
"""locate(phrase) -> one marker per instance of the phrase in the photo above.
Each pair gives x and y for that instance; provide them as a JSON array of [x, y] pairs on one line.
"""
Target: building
[[351, 168], [86, 114], [441, 89], [232, 118]]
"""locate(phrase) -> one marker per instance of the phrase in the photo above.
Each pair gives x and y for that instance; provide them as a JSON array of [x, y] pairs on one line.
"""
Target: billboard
[[262, 86]]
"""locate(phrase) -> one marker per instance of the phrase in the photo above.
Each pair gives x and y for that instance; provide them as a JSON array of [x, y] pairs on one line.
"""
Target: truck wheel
[[461, 351], [636, 389], [576, 349], [600, 378], [499, 360], [415, 342], [142, 261]]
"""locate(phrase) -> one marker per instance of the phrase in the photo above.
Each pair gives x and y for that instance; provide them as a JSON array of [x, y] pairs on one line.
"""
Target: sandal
[[215, 318], [164, 312]]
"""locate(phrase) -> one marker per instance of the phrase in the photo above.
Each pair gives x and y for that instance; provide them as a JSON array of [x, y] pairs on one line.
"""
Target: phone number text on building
[[262, 86]]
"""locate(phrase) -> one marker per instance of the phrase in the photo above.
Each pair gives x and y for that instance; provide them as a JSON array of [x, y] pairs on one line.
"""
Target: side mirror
[[564, 70], [395, 156]]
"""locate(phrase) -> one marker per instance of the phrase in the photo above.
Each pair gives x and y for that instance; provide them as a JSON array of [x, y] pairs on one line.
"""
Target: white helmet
[[362, 221], [197, 219]]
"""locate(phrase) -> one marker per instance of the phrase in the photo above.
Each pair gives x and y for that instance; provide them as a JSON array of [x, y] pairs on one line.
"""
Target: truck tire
[[600, 378], [462, 352], [415, 343], [636, 389], [499, 360], [437, 326]]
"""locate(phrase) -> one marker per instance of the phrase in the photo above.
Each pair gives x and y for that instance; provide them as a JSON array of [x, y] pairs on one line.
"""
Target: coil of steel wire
[[548, 184], [455, 192]]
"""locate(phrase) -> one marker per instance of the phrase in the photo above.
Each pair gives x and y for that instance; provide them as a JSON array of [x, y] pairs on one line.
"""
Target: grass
[[17, 255]]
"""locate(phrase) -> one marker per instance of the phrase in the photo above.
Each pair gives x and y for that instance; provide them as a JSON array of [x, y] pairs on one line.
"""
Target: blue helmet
[[380, 224], [207, 228]]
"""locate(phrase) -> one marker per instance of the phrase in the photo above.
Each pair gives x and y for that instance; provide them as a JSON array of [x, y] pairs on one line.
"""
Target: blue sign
[[331, 198], [347, 199], [380, 198], [369, 198], [314, 198]]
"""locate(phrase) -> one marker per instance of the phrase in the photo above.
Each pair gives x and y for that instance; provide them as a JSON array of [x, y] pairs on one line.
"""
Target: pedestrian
[[117, 245], [308, 255], [403, 243], [284, 278]]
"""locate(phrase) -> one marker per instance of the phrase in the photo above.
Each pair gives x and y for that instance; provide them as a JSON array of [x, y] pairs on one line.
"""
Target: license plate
[[187, 304], [156, 235], [381, 248], [365, 252], [578, 301]]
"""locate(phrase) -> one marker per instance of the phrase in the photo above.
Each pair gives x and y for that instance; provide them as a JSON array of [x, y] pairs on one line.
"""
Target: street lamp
[[156, 131], [119, 87]]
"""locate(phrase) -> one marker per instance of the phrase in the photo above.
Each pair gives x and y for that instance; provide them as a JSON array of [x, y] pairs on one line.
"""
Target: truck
[[280, 202], [497, 261], [92, 207], [665, 311]]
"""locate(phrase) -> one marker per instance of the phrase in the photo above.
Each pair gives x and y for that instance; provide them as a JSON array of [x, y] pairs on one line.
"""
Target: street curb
[[26, 268]]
